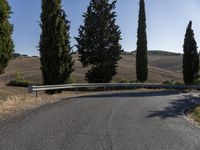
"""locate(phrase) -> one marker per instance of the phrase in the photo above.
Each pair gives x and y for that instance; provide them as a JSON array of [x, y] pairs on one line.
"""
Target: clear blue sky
[[166, 22]]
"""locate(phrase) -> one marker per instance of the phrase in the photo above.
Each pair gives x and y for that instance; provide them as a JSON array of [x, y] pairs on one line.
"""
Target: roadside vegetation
[[20, 81], [141, 50], [190, 57], [6, 29], [98, 43], [172, 82], [195, 114], [54, 46]]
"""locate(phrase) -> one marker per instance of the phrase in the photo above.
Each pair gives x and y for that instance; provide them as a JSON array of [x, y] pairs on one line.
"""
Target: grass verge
[[16, 100], [195, 114]]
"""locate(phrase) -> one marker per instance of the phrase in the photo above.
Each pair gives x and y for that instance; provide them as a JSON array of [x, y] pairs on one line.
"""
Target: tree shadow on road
[[136, 94], [175, 108]]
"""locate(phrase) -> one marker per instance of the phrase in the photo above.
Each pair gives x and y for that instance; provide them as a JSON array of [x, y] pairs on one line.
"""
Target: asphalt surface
[[126, 121]]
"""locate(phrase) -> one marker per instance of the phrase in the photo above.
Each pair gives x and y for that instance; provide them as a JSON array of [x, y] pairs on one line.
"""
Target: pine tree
[[98, 42], [141, 51], [190, 57], [6, 29], [54, 46]]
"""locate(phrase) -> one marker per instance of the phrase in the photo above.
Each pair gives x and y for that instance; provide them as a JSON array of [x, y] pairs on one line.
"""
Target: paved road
[[127, 121]]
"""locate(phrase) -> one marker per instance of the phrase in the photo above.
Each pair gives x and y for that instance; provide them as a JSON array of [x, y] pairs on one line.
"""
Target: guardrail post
[[76, 90], [30, 87], [36, 94]]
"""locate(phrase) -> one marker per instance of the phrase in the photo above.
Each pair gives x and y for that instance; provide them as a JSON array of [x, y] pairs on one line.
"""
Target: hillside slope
[[161, 68]]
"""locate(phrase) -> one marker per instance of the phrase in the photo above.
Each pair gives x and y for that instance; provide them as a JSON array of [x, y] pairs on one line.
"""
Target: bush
[[172, 82], [178, 83], [15, 55], [124, 81], [71, 80], [197, 81], [135, 81], [20, 81], [168, 82]]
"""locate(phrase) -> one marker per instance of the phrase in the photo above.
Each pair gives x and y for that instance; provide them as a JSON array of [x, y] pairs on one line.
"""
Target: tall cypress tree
[[6, 29], [98, 41], [54, 46], [141, 51], [190, 57]]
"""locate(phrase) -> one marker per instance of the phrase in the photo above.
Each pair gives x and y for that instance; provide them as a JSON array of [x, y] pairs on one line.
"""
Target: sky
[[166, 22]]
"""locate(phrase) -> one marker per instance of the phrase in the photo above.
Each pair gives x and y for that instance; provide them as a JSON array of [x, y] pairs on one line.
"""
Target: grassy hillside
[[160, 53], [161, 68]]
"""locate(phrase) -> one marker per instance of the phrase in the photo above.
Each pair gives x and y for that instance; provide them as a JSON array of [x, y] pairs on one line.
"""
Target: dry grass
[[15, 101], [161, 68], [195, 114]]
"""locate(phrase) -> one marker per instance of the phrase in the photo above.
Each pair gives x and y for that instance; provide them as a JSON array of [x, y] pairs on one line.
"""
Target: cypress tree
[[6, 29], [190, 57], [98, 41], [141, 51], [55, 51]]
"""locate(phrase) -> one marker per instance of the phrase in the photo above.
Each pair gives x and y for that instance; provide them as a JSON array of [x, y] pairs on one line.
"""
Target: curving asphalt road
[[126, 121]]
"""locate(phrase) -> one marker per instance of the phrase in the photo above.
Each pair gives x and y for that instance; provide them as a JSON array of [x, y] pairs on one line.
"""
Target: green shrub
[[71, 80], [19, 77], [178, 83], [135, 81], [197, 81], [168, 82], [172, 82], [124, 81], [20, 81]]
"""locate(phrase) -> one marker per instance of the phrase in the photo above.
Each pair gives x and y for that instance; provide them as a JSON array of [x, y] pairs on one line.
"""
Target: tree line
[[98, 43]]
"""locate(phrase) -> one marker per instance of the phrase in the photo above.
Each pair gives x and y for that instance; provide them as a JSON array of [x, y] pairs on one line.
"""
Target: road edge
[[185, 111]]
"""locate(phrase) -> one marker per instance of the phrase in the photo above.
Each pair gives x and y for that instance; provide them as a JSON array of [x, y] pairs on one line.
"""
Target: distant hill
[[150, 52], [16, 55], [161, 53], [161, 68]]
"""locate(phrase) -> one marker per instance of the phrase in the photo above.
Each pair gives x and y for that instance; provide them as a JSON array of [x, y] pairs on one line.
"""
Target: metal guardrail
[[34, 88]]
